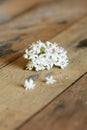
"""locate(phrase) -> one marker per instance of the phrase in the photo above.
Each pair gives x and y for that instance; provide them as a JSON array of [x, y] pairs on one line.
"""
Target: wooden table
[[63, 105]]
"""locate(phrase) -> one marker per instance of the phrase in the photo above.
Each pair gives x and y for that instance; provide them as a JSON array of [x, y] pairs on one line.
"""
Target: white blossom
[[29, 84], [45, 55], [25, 56], [50, 80]]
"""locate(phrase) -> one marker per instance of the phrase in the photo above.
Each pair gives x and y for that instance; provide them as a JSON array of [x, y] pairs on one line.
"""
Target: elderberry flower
[[43, 56], [50, 80], [29, 84]]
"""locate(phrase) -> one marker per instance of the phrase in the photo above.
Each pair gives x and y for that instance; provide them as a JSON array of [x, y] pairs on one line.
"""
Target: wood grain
[[14, 47], [67, 112], [18, 105], [11, 8], [40, 23]]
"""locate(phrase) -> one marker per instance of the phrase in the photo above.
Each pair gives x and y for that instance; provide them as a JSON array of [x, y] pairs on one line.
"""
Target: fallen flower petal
[[50, 80], [29, 84]]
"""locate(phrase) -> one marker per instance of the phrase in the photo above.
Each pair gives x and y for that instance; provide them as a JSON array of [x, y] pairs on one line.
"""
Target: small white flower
[[29, 84], [62, 63], [25, 56], [50, 80], [26, 51]]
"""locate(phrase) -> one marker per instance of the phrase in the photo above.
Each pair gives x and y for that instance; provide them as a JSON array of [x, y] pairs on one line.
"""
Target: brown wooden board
[[13, 8], [17, 104], [14, 47], [67, 111], [43, 22]]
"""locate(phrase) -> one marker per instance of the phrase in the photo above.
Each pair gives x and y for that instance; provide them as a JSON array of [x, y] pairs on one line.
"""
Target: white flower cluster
[[45, 55]]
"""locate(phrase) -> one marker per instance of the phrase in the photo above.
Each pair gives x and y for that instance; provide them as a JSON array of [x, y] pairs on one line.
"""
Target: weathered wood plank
[[67, 112], [13, 8], [16, 104], [58, 12], [2, 1], [39, 23], [15, 46]]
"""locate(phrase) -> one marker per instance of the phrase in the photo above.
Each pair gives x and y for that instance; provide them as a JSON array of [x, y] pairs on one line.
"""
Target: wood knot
[[82, 43]]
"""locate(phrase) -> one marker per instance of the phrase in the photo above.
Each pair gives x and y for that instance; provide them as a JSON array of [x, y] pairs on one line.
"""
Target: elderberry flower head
[[43, 56]]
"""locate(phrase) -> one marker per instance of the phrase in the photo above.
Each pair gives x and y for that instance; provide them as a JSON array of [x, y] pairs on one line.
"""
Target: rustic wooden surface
[[68, 111], [62, 105]]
